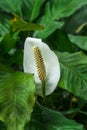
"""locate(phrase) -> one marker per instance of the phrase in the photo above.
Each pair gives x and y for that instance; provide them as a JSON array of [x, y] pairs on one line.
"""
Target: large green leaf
[[80, 41], [17, 98], [47, 119], [56, 10], [74, 73]]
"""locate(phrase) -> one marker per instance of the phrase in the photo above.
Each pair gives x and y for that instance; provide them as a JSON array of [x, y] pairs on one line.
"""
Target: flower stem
[[43, 90]]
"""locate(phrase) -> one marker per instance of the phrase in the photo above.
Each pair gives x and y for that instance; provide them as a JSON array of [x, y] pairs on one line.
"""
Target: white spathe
[[51, 64]]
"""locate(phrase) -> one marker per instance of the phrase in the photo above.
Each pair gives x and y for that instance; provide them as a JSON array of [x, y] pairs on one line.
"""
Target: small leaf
[[74, 73], [17, 98], [18, 24], [47, 119]]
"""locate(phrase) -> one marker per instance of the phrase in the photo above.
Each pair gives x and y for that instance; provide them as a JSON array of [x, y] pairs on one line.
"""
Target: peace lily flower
[[41, 61]]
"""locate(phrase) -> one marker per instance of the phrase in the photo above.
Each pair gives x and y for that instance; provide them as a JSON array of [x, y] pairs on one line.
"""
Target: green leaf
[[8, 42], [60, 41], [49, 21], [68, 7], [9, 6], [17, 98], [18, 24], [80, 41], [55, 11], [28, 8], [47, 119], [74, 73], [48, 30], [4, 25], [75, 23], [31, 8], [16, 58]]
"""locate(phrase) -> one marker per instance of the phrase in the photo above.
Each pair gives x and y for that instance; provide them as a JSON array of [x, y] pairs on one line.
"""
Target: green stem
[[43, 90]]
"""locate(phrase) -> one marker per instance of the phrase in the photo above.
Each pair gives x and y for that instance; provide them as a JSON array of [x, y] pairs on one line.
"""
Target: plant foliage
[[62, 24]]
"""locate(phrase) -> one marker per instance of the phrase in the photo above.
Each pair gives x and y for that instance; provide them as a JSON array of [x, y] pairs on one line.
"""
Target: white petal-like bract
[[50, 60]]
